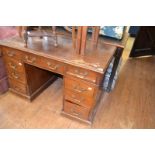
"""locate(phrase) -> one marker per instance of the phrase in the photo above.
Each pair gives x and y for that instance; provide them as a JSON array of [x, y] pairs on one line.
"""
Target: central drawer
[[52, 65], [31, 59], [45, 63]]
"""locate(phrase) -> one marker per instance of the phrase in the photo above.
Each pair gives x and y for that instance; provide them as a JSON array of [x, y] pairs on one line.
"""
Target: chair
[[23, 32]]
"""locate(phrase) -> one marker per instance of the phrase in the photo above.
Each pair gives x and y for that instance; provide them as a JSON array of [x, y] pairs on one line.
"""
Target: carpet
[[7, 32]]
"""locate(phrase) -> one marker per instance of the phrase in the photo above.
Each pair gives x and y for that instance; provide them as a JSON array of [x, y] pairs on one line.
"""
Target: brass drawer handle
[[10, 53], [78, 74], [74, 112], [15, 75], [78, 89], [13, 66], [17, 88], [81, 74], [76, 100], [30, 60], [52, 66]]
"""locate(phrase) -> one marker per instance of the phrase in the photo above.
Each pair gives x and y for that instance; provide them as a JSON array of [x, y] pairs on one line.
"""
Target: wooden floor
[[130, 105]]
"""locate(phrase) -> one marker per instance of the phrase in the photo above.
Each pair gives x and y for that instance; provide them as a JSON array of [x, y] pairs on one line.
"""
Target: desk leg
[[117, 56]]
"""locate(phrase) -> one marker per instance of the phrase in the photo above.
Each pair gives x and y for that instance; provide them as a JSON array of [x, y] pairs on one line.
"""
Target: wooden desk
[[32, 69]]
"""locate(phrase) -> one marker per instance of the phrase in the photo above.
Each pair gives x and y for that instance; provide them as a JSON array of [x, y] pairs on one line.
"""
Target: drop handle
[[76, 100], [81, 74], [30, 60], [53, 67], [74, 112], [78, 89], [10, 54], [12, 66], [15, 75], [18, 89]]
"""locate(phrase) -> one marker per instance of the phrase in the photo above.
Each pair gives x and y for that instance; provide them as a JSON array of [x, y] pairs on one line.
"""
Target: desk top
[[96, 60]]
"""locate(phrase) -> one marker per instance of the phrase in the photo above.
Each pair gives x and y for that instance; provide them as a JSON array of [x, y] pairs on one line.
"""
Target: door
[[145, 42]]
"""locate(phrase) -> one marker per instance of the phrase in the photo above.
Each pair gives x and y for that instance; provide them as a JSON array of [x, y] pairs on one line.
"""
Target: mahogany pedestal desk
[[32, 69]]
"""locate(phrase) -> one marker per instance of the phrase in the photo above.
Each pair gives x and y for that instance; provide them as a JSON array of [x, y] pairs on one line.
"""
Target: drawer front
[[17, 76], [78, 86], [32, 59], [83, 74], [12, 53], [15, 65], [17, 86], [79, 99], [52, 65], [76, 110]]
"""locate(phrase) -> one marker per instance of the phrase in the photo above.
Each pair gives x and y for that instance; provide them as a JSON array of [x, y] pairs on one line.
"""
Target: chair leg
[[74, 37], [55, 35], [95, 36], [84, 39], [25, 35], [19, 29]]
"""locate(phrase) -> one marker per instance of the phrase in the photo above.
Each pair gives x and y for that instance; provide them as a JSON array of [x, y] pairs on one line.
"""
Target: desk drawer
[[81, 87], [53, 65], [12, 53], [83, 74], [18, 87], [79, 99], [76, 110], [32, 59], [15, 65], [17, 76]]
